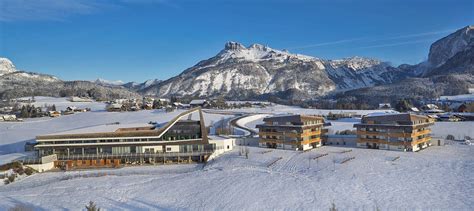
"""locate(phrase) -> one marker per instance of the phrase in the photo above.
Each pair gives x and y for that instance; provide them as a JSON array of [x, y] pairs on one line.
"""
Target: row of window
[[164, 138]]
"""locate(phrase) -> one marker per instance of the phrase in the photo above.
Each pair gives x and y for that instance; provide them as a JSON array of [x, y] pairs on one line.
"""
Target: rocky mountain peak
[[356, 63], [233, 46], [6, 66], [447, 47]]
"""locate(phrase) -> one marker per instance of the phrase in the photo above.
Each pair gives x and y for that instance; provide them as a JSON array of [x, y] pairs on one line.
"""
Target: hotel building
[[177, 141]]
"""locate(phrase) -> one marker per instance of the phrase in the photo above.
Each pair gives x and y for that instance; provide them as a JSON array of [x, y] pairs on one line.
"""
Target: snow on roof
[[101, 128], [197, 102], [386, 113]]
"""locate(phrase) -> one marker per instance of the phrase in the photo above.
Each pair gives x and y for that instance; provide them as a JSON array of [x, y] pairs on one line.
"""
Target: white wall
[[222, 146], [172, 148], [42, 167]]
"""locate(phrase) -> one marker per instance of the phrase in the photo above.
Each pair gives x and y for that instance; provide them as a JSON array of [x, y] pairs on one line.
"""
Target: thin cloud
[[326, 43], [397, 44], [60, 10], [423, 34], [32, 10], [399, 37]]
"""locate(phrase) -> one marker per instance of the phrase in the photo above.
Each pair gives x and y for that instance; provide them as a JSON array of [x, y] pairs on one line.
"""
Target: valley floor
[[435, 178]]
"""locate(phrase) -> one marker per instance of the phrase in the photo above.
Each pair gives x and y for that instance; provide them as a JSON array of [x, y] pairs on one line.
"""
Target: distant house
[[384, 106], [8, 118], [430, 106], [449, 118], [81, 109], [54, 113], [114, 107], [163, 100], [197, 103], [80, 99], [71, 108], [462, 108], [457, 107]]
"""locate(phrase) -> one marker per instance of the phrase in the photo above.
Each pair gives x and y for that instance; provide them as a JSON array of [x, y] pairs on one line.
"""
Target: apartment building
[[294, 132], [404, 132]]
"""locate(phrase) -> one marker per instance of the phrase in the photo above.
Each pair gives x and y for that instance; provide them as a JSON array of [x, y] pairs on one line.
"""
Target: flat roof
[[105, 128]]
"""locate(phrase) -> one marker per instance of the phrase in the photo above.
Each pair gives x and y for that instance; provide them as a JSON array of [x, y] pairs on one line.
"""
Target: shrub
[[11, 178], [450, 137], [92, 206], [28, 171], [21, 207], [12, 165], [20, 170]]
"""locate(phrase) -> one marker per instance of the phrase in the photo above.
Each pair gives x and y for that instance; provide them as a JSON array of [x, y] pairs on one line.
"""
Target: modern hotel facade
[[176, 140], [294, 132], [403, 132]]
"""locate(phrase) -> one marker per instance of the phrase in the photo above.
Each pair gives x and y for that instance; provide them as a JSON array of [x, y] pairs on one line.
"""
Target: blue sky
[[135, 40]]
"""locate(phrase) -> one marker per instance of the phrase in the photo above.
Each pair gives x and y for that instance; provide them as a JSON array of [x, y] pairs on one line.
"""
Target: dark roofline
[[138, 133]]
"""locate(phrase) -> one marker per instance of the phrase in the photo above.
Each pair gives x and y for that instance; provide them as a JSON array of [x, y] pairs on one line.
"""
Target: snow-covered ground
[[63, 102], [284, 109], [465, 97], [435, 178]]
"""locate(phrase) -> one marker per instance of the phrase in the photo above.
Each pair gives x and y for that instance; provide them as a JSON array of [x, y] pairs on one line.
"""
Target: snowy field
[[437, 178], [63, 102]]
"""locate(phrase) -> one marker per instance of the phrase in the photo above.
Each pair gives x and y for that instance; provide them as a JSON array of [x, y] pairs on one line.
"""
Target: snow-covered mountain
[[6, 66], [449, 70], [105, 82], [447, 47], [239, 71], [15, 83], [140, 86]]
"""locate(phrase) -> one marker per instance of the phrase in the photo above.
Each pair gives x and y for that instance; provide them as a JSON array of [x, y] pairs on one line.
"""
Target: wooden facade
[[403, 132], [296, 132]]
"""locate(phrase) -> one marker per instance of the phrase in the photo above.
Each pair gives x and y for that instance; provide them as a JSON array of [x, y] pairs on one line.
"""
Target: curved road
[[234, 124]]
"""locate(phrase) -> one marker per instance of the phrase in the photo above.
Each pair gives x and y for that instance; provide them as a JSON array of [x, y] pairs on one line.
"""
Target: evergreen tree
[[403, 105], [92, 206]]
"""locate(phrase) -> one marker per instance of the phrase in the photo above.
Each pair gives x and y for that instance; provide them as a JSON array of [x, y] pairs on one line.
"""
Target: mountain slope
[[241, 72], [15, 83], [449, 70], [6, 66]]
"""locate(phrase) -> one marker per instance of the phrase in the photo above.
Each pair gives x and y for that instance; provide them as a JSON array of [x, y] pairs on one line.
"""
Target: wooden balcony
[[396, 143], [290, 134], [392, 134]]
